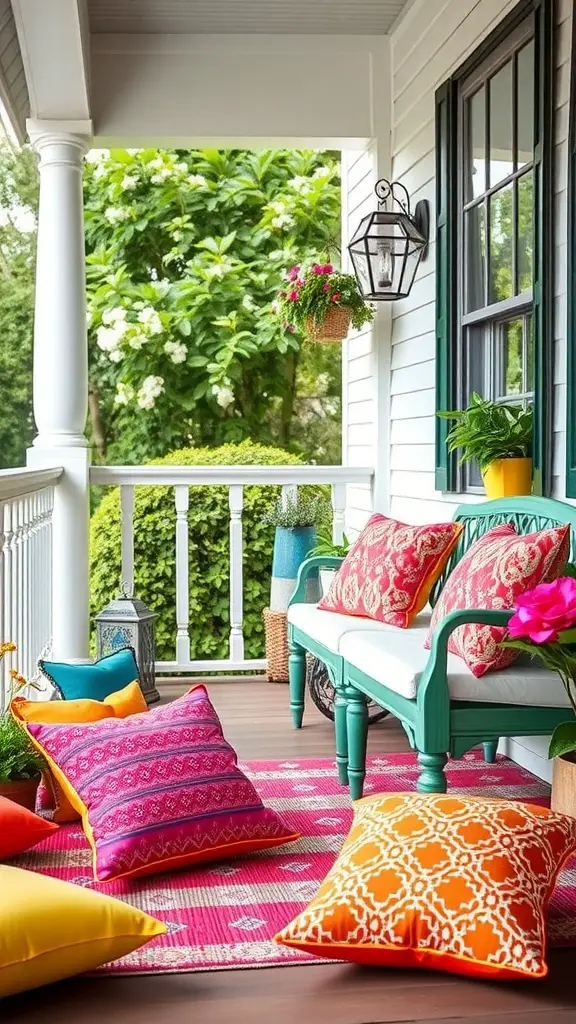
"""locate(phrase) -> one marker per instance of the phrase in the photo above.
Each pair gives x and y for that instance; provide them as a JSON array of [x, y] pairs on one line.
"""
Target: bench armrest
[[316, 562], [434, 677]]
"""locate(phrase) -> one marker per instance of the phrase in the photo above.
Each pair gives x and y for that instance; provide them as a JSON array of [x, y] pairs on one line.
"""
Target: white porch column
[[61, 372]]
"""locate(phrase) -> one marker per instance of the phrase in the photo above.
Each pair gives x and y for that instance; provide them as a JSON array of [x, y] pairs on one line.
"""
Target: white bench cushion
[[328, 628], [397, 658]]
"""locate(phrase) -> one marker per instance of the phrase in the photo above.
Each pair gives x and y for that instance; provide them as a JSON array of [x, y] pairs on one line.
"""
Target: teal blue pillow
[[93, 682]]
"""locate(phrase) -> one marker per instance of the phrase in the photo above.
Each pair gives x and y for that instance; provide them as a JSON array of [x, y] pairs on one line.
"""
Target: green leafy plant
[[326, 546], [298, 511], [209, 551], [314, 288], [487, 431], [18, 758]]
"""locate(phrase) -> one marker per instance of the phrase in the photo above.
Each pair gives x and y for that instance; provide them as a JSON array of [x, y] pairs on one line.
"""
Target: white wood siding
[[13, 88], [431, 42]]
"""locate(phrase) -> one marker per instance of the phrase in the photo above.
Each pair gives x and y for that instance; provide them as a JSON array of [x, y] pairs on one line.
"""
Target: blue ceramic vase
[[291, 547]]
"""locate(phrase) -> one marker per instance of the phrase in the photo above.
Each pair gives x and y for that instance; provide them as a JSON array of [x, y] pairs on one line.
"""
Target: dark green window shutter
[[571, 289], [543, 244], [445, 243]]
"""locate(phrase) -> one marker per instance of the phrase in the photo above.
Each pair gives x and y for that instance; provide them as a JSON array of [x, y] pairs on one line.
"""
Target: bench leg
[[357, 731], [297, 680], [432, 778], [490, 749], [341, 736]]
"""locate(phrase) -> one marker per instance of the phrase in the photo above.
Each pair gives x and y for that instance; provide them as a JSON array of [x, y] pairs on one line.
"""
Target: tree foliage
[[186, 251], [18, 200]]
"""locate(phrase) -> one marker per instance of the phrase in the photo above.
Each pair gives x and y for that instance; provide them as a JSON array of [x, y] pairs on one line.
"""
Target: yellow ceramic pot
[[508, 478]]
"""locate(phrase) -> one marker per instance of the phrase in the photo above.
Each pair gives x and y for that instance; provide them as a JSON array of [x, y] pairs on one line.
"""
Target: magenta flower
[[300, 282], [327, 286], [293, 273], [544, 612], [335, 297], [294, 296], [327, 268], [317, 269]]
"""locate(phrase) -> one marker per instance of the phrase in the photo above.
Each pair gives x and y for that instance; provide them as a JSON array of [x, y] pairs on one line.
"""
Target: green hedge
[[155, 557]]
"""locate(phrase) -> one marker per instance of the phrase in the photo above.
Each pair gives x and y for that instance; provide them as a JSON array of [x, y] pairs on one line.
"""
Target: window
[[492, 165], [571, 288]]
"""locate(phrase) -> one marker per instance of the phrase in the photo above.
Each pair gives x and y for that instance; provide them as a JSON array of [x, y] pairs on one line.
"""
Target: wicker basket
[[276, 631], [334, 326]]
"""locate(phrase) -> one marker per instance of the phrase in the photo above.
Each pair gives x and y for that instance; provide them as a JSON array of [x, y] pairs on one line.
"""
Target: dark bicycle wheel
[[321, 690]]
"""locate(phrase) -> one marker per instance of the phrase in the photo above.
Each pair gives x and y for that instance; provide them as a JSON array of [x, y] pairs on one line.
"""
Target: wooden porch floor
[[255, 718]]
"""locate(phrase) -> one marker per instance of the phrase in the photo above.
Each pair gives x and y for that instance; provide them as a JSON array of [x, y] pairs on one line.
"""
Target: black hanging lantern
[[389, 244]]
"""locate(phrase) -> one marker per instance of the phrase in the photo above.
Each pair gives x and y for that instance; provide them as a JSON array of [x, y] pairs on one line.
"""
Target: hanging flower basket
[[334, 325], [321, 302]]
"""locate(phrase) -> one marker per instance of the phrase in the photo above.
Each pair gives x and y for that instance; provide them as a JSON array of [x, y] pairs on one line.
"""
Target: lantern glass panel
[[385, 252]]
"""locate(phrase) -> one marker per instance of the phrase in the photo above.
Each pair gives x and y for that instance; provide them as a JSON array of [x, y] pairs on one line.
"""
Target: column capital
[[76, 136]]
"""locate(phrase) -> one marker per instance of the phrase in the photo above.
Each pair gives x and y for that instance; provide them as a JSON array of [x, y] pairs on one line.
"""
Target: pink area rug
[[225, 915]]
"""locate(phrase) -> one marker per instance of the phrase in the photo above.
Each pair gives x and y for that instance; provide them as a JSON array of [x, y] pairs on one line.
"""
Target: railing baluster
[[127, 508], [3, 669], [339, 510], [16, 591], [236, 504], [25, 596], [182, 499]]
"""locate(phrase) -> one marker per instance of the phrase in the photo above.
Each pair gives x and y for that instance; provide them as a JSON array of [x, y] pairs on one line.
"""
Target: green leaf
[[567, 636], [563, 739], [185, 328]]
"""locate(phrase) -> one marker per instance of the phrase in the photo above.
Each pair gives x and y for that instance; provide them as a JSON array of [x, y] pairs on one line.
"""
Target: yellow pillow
[[125, 702], [51, 929], [128, 701]]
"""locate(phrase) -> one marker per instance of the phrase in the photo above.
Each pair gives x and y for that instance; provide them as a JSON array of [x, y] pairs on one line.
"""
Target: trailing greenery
[[18, 759], [209, 517], [312, 289], [299, 511], [186, 250], [487, 431], [326, 546]]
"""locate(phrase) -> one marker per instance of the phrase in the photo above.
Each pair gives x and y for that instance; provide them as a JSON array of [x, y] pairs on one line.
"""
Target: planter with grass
[[322, 303], [498, 436], [20, 765]]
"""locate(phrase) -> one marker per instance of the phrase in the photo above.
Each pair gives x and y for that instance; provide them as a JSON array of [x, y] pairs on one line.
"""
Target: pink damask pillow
[[496, 569], [390, 570], [159, 790]]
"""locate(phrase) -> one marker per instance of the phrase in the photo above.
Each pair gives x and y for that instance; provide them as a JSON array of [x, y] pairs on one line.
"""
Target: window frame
[[449, 209], [570, 289]]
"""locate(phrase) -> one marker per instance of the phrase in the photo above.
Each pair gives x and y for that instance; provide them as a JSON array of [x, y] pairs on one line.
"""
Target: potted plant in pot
[[544, 626], [322, 303], [295, 519], [326, 546], [498, 437], [20, 765]]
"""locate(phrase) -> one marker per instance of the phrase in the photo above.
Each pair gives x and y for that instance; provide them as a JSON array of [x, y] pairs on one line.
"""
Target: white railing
[[181, 479], [26, 504]]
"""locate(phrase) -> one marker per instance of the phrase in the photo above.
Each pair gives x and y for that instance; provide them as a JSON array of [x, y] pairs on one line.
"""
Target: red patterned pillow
[[495, 570], [389, 572]]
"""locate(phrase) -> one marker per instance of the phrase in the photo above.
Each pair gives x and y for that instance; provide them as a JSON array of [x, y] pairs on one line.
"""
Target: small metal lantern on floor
[[128, 622]]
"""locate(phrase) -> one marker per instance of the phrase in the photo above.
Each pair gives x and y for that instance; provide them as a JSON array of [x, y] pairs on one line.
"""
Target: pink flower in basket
[[544, 612]]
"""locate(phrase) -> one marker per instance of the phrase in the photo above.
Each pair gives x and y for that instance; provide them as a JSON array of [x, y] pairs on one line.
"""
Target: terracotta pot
[[564, 785], [22, 792], [508, 478], [334, 326]]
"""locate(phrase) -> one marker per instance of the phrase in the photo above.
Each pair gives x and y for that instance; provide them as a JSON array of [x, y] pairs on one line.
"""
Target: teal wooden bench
[[371, 661]]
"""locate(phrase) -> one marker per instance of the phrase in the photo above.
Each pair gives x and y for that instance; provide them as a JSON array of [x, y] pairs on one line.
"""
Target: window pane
[[475, 242], [525, 233], [501, 159], [525, 108], [511, 378], [475, 168], [501, 285], [530, 353]]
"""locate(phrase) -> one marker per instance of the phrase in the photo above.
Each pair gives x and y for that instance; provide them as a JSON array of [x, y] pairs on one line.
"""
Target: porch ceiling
[[322, 17]]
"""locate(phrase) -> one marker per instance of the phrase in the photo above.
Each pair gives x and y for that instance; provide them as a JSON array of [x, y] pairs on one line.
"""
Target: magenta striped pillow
[[159, 790]]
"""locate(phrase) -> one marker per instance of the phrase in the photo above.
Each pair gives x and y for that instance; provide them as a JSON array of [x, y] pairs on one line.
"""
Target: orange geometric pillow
[[451, 883], [125, 702], [495, 570], [389, 572]]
